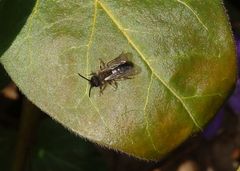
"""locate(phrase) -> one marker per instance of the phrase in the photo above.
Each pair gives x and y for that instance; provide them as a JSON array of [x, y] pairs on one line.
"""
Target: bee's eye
[[95, 81]]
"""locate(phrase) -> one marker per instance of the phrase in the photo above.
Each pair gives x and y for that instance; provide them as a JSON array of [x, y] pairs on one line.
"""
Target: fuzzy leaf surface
[[184, 48]]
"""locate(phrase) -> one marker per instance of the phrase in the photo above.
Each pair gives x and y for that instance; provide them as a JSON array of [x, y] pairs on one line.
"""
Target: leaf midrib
[[119, 26], [125, 34]]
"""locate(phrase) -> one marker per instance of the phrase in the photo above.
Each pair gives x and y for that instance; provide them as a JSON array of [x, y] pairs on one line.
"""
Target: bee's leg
[[114, 84], [102, 88], [102, 64], [101, 91], [128, 77]]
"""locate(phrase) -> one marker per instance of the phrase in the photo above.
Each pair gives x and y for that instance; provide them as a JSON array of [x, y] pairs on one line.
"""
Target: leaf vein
[[202, 96], [97, 110], [146, 116], [91, 39], [87, 57], [200, 21], [118, 25]]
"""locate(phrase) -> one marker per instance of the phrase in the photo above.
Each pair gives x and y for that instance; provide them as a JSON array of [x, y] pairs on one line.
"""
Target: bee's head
[[95, 82]]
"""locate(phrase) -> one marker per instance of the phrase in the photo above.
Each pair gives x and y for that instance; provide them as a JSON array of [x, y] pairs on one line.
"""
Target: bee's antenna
[[83, 77], [90, 91]]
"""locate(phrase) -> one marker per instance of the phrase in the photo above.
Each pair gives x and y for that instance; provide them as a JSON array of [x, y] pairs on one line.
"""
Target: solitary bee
[[117, 69]]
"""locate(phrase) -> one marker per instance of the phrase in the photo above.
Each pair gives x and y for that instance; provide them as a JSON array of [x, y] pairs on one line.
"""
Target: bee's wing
[[124, 75], [121, 59]]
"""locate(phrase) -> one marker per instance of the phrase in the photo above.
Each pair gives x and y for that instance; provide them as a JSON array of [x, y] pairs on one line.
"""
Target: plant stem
[[28, 124]]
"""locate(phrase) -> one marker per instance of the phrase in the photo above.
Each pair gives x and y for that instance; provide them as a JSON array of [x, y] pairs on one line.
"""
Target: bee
[[120, 68]]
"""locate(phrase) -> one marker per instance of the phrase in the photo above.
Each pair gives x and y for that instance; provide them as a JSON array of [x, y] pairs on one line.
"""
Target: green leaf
[[184, 48], [59, 150]]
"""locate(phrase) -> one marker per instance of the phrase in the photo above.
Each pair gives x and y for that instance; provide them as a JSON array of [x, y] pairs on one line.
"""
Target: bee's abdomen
[[123, 68]]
